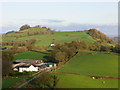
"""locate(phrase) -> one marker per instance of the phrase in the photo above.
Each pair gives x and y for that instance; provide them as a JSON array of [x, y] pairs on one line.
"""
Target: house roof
[[41, 66], [25, 66], [32, 61]]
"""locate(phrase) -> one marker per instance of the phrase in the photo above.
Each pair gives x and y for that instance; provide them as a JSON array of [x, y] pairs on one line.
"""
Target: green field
[[11, 81], [99, 65], [47, 39], [29, 55], [80, 81], [89, 65]]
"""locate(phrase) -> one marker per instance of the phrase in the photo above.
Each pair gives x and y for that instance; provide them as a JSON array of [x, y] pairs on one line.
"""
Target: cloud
[[52, 20]]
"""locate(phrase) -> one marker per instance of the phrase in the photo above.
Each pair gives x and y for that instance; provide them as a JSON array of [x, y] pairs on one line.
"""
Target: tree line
[[37, 31], [63, 52], [45, 80]]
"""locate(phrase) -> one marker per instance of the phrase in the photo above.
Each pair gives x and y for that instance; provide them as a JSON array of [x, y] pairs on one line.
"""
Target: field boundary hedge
[[66, 61], [99, 53], [96, 77], [41, 52]]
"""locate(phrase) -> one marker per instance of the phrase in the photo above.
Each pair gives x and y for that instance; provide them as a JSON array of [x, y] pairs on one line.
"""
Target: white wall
[[31, 68]]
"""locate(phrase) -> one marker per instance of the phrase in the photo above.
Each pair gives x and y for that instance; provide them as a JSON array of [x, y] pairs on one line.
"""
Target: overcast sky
[[15, 14]]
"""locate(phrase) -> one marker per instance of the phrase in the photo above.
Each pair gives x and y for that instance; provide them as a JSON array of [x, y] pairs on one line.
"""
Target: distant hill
[[45, 36]]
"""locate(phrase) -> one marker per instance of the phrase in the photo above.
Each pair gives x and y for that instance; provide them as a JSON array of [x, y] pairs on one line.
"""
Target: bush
[[24, 27]]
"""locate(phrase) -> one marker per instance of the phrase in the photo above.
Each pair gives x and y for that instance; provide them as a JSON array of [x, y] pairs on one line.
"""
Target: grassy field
[[99, 65], [11, 81], [94, 65], [80, 81], [29, 55], [47, 39]]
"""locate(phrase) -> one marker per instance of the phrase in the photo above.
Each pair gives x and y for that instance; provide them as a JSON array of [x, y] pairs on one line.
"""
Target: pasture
[[47, 39], [81, 81], [89, 65], [12, 81], [98, 65], [29, 55]]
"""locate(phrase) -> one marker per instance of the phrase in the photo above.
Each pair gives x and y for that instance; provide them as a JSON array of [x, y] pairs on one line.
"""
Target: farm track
[[96, 77]]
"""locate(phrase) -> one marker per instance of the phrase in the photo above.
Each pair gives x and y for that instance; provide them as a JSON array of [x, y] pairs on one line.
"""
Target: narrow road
[[20, 86]]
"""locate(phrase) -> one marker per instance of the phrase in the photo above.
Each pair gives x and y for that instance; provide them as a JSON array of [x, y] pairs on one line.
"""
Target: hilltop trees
[[26, 26], [97, 35], [40, 32]]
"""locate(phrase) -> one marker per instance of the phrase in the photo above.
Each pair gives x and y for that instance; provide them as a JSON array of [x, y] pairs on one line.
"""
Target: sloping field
[[11, 81], [29, 55], [80, 81], [80, 68], [95, 65], [47, 39]]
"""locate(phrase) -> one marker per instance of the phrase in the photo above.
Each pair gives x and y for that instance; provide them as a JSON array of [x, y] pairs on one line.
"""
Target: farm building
[[52, 44], [30, 67], [31, 61]]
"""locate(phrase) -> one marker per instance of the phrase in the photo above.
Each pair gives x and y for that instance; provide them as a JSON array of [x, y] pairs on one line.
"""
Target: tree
[[116, 48], [7, 58], [99, 35], [105, 48], [61, 56], [55, 80], [63, 52], [26, 26], [37, 26], [14, 49], [43, 81], [30, 47]]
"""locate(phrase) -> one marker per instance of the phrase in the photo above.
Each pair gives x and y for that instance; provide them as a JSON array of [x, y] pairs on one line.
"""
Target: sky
[[61, 15]]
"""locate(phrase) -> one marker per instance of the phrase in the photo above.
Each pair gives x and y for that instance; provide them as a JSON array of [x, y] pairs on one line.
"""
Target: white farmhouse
[[28, 68], [52, 44]]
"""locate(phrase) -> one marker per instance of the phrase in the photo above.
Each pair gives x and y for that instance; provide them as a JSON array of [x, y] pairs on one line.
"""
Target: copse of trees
[[21, 46], [97, 35], [19, 43], [116, 49], [63, 52], [40, 32], [44, 81], [97, 46], [26, 26]]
